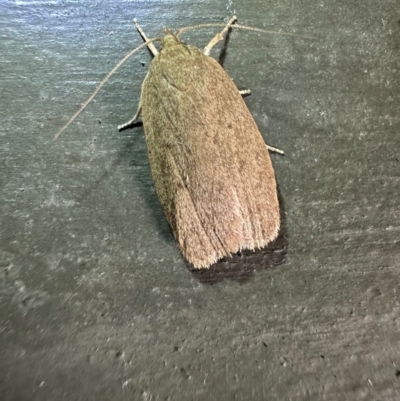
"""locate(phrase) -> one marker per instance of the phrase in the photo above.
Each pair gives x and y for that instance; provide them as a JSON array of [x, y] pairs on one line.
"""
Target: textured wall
[[96, 301]]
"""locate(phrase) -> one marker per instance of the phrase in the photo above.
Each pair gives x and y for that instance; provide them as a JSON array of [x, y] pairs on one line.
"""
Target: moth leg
[[150, 45], [245, 92], [276, 150], [153, 49], [219, 36], [270, 148], [132, 121]]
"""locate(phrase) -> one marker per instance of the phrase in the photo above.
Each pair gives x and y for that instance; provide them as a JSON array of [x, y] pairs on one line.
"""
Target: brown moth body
[[209, 162], [210, 165]]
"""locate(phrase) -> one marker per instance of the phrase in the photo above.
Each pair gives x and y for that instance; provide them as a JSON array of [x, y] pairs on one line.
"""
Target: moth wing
[[209, 162]]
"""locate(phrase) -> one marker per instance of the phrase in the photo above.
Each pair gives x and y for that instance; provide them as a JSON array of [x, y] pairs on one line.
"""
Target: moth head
[[170, 38]]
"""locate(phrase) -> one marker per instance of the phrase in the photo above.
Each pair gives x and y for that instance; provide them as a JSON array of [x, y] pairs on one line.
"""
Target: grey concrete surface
[[96, 302]]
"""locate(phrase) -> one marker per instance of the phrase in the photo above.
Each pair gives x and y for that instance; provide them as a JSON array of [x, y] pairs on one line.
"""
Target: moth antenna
[[200, 26], [101, 84], [249, 28]]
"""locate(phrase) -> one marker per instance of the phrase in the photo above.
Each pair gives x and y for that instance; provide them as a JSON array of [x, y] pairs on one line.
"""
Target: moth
[[210, 165]]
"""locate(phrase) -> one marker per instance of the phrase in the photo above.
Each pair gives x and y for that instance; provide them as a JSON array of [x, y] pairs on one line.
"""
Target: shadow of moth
[[210, 165]]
